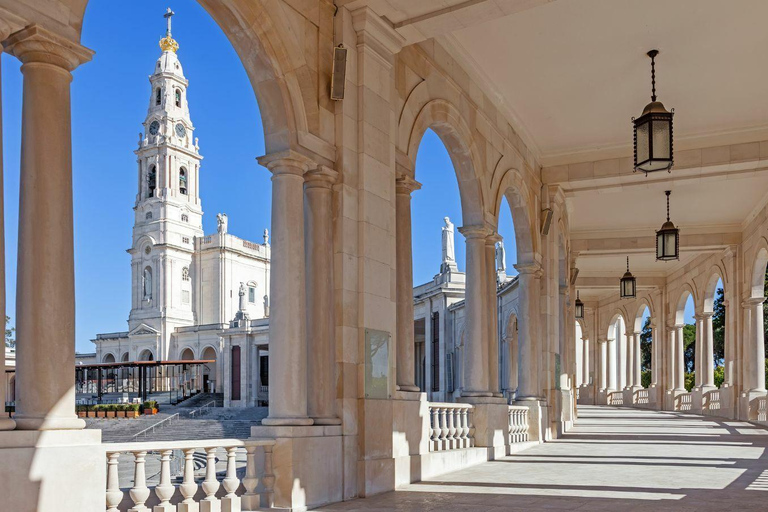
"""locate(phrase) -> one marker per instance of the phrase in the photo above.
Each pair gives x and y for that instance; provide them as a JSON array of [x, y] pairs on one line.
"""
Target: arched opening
[[644, 327], [146, 355], [210, 383], [686, 335], [578, 333], [125, 357], [158, 96], [178, 97], [714, 320], [108, 358], [151, 181], [183, 181], [187, 354], [755, 374], [616, 358]]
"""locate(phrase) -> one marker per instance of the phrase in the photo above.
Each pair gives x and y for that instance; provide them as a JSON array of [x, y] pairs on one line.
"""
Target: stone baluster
[[250, 500], [188, 487], [164, 489], [287, 326], [471, 423], [46, 266], [267, 500], [231, 502], [114, 493], [404, 186], [435, 424], [444, 428], [452, 438], [139, 492], [210, 485]]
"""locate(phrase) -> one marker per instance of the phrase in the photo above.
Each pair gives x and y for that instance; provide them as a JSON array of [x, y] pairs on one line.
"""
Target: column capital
[[287, 162], [493, 238], [602, 339], [703, 316], [373, 31], [529, 268], [474, 231], [752, 301], [36, 44], [405, 185], [320, 177]]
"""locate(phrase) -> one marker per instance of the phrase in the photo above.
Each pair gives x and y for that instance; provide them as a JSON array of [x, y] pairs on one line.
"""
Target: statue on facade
[[221, 222], [449, 253], [241, 293], [147, 284], [266, 237], [266, 306], [501, 257]]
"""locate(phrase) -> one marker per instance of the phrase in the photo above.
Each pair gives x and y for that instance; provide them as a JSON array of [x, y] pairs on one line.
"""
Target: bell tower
[[168, 212]]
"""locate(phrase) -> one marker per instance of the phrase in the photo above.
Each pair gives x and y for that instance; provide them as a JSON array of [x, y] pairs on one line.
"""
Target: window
[[185, 240], [178, 97], [184, 217], [264, 370], [148, 216], [151, 181], [185, 296], [436, 352], [158, 96], [252, 294], [183, 181], [185, 274]]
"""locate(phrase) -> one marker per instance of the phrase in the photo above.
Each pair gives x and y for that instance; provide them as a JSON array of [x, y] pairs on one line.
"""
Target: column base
[[468, 393], [408, 387], [326, 421], [43, 423], [287, 421], [7, 423]]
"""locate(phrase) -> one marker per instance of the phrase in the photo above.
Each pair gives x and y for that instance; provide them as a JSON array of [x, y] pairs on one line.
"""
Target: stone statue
[[501, 257], [449, 253], [221, 221], [148, 284], [266, 306], [241, 293], [266, 237]]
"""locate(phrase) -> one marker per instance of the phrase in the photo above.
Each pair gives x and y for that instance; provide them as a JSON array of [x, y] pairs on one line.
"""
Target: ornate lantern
[[653, 132], [628, 284], [579, 306], [668, 239]]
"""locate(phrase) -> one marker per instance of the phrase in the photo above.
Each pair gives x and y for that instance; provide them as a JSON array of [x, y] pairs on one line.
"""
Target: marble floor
[[614, 459]]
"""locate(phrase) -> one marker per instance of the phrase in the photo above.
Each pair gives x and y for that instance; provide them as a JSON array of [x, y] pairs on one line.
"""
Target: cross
[[168, 14]]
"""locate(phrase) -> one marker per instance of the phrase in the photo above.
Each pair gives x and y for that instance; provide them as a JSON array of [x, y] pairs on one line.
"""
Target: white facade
[[185, 286]]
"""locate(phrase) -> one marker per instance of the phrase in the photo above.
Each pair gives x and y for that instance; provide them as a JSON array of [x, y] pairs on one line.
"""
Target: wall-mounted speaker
[[574, 275], [339, 73], [546, 221]]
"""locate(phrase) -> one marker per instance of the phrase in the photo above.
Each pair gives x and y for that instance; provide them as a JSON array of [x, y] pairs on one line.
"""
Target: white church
[[193, 296]]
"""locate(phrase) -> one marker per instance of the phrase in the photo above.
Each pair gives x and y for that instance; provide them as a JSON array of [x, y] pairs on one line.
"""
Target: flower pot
[[101, 414], [121, 414], [132, 414], [111, 414], [90, 414], [81, 414], [148, 411]]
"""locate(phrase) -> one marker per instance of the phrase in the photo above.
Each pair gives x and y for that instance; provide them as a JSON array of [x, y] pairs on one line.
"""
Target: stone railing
[[165, 490], [642, 397], [762, 409], [518, 424], [451, 426], [713, 403], [616, 398], [684, 402]]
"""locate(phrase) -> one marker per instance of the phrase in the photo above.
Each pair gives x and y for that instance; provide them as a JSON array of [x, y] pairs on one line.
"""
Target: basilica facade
[[188, 288]]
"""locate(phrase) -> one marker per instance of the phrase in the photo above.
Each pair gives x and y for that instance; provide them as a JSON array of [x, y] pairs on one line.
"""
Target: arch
[[210, 384], [177, 97], [146, 355], [679, 312], [187, 354], [643, 303], [125, 357], [446, 121], [151, 181], [710, 290], [183, 180], [158, 96], [109, 357], [522, 205], [758, 269]]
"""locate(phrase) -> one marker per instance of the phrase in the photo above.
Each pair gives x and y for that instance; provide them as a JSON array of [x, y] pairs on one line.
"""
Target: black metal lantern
[[668, 239], [579, 306], [628, 284], [653, 132]]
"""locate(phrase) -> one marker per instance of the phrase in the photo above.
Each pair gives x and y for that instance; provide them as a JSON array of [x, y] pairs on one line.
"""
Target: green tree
[[10, 340], [689, 344], [646, 336], [718, 328]]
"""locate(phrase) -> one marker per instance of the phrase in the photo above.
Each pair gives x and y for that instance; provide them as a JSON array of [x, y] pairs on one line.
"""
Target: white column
[[6, 423], [512, 341], [475, 346], [321, 369], [45, 300], [754, 352], [699, 365], [707, 356], [529, 279], [585, 362], [611, 366], [493, 314], [672, 353], [622, 363], [679, 359], [603, 364], [655, 354], [287, 327], [637, 360], [404, 186], [629, 354]]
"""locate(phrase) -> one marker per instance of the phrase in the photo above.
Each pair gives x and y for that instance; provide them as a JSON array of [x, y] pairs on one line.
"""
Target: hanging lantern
[[628, 284], [668, 239], [579, 306], [653, 132]]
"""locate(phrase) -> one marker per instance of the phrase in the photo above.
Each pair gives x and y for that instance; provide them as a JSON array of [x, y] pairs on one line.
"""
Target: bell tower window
[[178, 98], [183, 181], [151, 181], [158, 96]]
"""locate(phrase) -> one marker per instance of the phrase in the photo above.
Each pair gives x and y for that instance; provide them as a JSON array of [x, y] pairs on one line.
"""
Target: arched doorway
[[210, 382], [146, 355]]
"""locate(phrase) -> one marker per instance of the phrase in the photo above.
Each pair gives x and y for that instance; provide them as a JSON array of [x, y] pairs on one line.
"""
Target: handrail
[[155, 425], [202, 408]]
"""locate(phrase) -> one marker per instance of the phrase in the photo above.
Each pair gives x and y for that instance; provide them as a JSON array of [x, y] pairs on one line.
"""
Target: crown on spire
[[168, 43]]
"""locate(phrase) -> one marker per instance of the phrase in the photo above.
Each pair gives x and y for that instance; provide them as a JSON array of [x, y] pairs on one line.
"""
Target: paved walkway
[[614, 459]]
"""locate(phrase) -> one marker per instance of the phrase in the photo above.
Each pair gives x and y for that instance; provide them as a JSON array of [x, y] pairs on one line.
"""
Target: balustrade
[[616, 398], [684, 402], [450, 427], [518, 424], [140, 493], [642, 397]]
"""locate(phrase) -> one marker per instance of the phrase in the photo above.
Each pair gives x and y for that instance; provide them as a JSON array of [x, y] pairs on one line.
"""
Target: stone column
[[585, 362], [529, 286], [672, 349], [6, 423], [621, 362], [318, 223], [603, 364], [287, 322], [679, 358], [754, 352], [637, 360], [493, 314], [629, 359], [45, 299], [707, 358], [655, 354], [512, 382], [611, 366], [404, 186], [475, 345], [698, 365]]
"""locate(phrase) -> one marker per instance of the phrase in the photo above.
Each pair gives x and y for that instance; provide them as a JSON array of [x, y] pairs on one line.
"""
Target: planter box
[[121, 414], [111, 414], [101, 414], [150, 411], [90, 414], [131, 414], [81, 414]]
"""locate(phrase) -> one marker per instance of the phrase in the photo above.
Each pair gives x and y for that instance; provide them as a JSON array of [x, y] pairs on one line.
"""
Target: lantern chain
[[668, 192], [652, 54]]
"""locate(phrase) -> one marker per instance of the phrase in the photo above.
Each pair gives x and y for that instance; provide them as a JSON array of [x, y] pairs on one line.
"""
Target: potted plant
[[132, 411], [81, 411], [90, 412], [120, 410], [101, 412], [150, 407], [111, 411]]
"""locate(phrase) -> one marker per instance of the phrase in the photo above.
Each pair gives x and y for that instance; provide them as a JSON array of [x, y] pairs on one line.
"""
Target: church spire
[[168, 43]]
